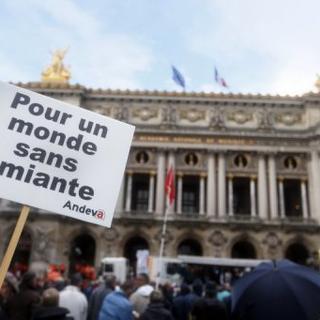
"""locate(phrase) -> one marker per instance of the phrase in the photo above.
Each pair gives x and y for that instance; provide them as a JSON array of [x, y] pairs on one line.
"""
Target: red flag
[[223, 83], [170, 186]]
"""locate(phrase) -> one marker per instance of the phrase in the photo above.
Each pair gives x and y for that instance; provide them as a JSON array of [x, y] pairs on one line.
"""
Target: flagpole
[[162, 243], [170, 195]]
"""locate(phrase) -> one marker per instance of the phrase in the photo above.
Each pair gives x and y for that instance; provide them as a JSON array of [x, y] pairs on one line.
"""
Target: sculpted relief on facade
[[218, 240], [240, 117], [289, 120], [43, 244], [193, 117], [145, 115]]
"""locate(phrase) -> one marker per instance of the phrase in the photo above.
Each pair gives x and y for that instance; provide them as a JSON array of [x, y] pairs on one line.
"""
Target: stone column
[[304, 199], [179, 192], [253, 196], [151, 191], [311, 188], [202, 194], [129, 191], [273, 187], [262, 188], [211, 186], [315, 179], [161, 161], [221, 185], [281, 198], [119, 207], [230, 196]]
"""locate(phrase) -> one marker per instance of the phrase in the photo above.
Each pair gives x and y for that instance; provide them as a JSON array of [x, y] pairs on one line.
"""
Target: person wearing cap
[[73, 299]]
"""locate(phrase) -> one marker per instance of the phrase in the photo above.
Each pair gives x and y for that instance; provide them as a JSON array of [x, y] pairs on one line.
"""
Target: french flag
[[219, 79]]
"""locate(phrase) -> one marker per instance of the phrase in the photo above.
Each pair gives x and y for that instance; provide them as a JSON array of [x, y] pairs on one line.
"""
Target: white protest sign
[[59, 157]]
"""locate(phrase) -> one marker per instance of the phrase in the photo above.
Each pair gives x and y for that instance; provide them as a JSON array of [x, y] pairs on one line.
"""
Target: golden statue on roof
[[57, 72]]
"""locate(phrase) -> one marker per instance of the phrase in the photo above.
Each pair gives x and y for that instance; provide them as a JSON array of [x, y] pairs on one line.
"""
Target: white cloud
[[278, 34], [97, 58]]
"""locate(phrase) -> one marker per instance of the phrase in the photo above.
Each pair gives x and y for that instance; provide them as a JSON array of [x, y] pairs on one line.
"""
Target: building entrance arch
[[21, 258], [243, 250], [82, 253], [297, 252], [130, 251], [190, 247]]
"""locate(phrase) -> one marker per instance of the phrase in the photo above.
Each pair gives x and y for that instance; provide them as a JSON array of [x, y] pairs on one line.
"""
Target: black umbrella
[[277, 290]]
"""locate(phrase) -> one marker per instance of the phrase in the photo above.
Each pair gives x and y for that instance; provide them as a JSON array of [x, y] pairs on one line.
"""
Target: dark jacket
[[51, 313], [180, 307], [21, 306], [95, 301], [3, 315], [208, 309], [156, 311]]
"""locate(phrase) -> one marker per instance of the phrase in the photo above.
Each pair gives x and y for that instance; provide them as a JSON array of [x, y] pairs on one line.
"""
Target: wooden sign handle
[[13, 243]]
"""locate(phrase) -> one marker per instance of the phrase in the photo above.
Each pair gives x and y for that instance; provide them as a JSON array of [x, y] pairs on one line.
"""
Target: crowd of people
[[35, 298]]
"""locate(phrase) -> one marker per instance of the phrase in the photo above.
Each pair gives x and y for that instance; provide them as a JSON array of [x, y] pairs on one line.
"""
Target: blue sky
[[268, 47]]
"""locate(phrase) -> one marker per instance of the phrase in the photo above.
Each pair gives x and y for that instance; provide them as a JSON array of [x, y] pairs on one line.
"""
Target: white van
[[166, 268], [117, 266], [220, 262], [185, 267]]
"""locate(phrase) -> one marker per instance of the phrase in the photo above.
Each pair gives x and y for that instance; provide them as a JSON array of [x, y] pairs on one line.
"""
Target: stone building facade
[[247, 174]]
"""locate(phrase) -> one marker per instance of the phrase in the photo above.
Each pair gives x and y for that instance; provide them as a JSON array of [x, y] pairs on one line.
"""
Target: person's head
[[28, 281], [110, 281], [184, 289], [142, 279], [156, 296], [9, 286], [50, 297], [211, 289], [127, 287], [197, 287], [167, 290], [76, 280]]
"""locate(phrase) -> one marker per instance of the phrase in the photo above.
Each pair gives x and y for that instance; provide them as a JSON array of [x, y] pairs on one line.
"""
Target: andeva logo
[[98, 214]]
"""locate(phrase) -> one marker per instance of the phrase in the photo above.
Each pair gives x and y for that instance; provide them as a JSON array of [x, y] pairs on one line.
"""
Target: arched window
[[21, 257], [130, 250], [290, 163], [142, 157], [190, 247], [240, 161], [191, 159], [243, 250], [82, 253], [298, 253]]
